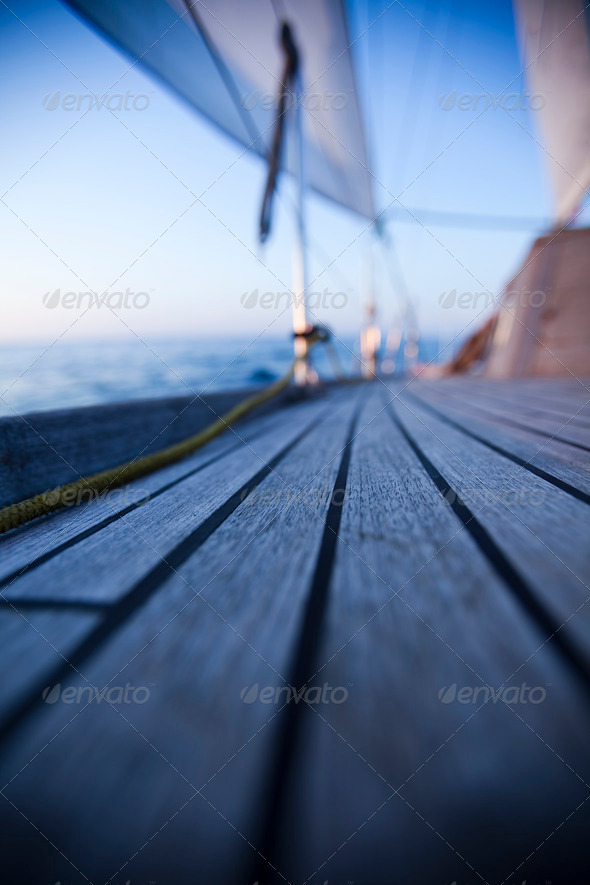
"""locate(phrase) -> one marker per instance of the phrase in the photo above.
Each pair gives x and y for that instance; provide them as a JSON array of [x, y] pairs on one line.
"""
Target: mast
[[300, 323], [371, 332]]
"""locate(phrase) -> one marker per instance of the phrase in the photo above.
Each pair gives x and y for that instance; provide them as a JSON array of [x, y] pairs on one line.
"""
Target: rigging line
[[230, 83], [228, 80], [406, 134], [412, 103], [398, 285], [276, 4], [254, 135], [452, 31], [285, 196], [376, 38], [397, 279], [466, 220], [394, 269], [279, 10], [225, 74]]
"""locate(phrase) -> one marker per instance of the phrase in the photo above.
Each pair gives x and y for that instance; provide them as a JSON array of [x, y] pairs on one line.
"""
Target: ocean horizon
[[39, 377]]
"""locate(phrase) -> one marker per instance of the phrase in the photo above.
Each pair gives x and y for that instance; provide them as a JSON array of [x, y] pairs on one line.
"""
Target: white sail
[[555, 42], [229, 67]]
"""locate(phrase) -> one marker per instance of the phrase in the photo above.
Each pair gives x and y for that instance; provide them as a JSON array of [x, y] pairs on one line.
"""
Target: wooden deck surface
[[413, 556]]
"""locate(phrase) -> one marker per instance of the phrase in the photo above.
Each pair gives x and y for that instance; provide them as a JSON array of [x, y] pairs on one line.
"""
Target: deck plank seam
[[145, 588], [507, 572], [510, 422], [38, 602], [515, 515], [527, 465], [47, 555], [529, 408], [302, 663]]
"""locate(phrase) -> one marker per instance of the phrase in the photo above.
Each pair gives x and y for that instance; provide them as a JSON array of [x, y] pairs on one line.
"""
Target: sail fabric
[[226, 60], [555, 41]]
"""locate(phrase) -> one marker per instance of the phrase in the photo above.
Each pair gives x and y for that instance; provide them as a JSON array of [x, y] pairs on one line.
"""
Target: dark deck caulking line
[[143, 590], [581, 422], [551, 630], [303, 665], [37, 602], [542, 474], [91, 530], [510, 422]]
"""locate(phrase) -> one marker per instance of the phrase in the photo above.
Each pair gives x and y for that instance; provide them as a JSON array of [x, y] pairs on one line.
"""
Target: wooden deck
[[415, 556]]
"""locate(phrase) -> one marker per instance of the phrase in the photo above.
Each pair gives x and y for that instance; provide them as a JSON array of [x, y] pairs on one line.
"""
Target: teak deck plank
[[540, 529], [415, 607], [240, 632], [559, 428], [225, 580], [532, 404], [45, 449], [117, 556], [564, 464], [44, 539]]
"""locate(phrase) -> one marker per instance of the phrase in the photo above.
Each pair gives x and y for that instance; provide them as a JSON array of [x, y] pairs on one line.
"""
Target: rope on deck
[[68, 495]]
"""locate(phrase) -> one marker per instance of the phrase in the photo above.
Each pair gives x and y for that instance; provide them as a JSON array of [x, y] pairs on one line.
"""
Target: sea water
[[65, 374]]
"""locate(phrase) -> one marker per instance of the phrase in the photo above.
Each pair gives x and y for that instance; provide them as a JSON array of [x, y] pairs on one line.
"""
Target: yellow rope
[[47, 502]]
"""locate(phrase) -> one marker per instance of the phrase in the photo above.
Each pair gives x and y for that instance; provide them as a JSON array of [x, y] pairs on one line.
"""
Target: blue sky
[[95, 202]]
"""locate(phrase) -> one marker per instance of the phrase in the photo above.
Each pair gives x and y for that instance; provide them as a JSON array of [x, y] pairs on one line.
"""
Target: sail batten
[[230, 69]]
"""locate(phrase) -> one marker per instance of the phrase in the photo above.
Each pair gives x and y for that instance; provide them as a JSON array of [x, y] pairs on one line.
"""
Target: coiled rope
[[71, 493]]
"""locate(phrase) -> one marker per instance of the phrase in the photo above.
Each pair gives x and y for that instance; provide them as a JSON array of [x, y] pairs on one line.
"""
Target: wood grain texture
[[569, 465], [112, 560], [441, 569], [542, 530], [562, 429], [41, 450], [415, 608], [227, 621], [47, 537]]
